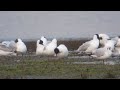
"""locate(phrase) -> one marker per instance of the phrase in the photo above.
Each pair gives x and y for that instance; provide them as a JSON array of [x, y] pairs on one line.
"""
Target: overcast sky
[[58, 24]]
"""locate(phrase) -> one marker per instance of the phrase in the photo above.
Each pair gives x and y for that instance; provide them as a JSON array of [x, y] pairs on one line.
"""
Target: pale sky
[[58, 24]]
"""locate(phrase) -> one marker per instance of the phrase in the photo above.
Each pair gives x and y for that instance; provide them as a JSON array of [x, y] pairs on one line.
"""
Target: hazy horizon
[[58, 24]]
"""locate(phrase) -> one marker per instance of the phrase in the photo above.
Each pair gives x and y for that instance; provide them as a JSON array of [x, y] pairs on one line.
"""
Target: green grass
[[56, 69], [32, 67]]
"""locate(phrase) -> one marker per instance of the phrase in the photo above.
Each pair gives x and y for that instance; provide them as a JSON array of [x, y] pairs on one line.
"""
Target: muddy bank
[[71, 44]]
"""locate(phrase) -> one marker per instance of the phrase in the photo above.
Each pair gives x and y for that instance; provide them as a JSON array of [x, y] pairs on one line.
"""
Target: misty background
[[31, 25]]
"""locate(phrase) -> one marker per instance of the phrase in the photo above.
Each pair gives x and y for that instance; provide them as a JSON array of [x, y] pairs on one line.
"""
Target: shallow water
[[58, 24]]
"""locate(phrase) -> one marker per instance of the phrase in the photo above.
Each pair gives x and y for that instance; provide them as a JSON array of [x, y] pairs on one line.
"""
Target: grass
[[56, 69], [36, 67]]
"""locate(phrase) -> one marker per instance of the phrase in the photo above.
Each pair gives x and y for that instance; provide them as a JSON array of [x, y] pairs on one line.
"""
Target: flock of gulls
[[100, 47], [43, 48]]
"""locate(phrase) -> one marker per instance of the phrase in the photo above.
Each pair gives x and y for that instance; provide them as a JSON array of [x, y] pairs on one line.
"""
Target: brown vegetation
[[71, 44]]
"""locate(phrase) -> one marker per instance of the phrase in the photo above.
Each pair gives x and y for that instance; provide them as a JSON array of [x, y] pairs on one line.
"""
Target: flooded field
[[75, 66]]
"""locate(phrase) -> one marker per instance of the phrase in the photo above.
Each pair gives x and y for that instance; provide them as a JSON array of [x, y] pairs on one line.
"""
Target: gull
[[7, 53], [102, 53], [110, 43], [116, 51], [61, 51], [20, 47], [103, 39], [40, 47], [89, 46], [44, 40], [49, 49], [118, 41], [11, 47]]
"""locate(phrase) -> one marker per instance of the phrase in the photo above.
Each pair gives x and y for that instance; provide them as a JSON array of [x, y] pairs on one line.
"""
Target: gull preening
[[104, 36], [40, 47], [44, 47], [49, 49], [44, 40], [109, 46], [20, 47], [61, 51]]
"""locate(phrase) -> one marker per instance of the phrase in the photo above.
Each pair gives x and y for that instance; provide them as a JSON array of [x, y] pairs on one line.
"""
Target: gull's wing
[[84, 46]]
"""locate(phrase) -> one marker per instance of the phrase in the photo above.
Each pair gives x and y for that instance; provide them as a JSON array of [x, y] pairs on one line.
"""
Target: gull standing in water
[[102, 53]]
